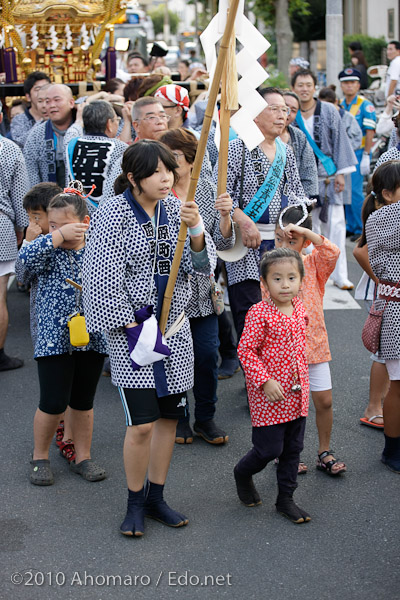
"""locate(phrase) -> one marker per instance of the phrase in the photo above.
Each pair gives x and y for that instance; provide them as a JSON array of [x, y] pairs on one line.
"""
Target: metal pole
[[334, 41]]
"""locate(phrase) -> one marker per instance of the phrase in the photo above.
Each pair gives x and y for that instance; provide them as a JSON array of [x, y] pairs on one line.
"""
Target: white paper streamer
[[68, 37], [252, 74], [53, 37], [34, 37], [85, 41]]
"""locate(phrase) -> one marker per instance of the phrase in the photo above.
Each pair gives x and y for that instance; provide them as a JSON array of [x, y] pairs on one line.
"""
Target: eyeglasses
[[118, 119], [285, 110], [177, 155], [155, 118]]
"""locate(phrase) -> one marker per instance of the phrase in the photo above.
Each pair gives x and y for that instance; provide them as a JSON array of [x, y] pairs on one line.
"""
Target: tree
[[278, 13], [157, 16]]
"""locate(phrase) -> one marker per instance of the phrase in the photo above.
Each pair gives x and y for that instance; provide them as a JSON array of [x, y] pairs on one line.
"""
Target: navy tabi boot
[[156, 508], [391, 453], [133, 523], [289, 509]]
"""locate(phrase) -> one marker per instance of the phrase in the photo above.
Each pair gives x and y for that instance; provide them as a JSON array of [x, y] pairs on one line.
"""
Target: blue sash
[[162, 267], [326, 161], [262, 198]]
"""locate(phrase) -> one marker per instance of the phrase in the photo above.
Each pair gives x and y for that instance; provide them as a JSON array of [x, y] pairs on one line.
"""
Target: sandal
[[327, 467], [88, 470], [60, 433], [41, 473], [67, 450]]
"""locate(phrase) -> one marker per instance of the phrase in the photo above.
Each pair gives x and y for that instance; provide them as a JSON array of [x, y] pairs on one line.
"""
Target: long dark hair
[[386, 177], [141, 159]]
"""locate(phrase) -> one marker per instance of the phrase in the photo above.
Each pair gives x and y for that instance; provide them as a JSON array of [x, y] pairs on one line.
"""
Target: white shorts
[[320, 377], [7, 267], [393, 369]]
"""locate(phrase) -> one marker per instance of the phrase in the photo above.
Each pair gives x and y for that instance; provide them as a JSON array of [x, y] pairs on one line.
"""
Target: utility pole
[[166, 28], [334, 41]]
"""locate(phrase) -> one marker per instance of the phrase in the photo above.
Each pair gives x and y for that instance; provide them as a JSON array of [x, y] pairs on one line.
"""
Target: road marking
[[336, 299]]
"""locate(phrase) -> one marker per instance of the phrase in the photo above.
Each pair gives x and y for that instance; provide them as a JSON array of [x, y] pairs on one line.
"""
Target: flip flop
[[370, 422]]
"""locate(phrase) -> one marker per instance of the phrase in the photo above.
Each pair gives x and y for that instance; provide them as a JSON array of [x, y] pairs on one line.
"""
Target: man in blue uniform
[[364, 112]]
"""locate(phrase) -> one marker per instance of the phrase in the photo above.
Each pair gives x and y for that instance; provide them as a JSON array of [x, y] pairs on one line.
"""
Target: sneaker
[[346, 284], [9, 362], [210, 432], [184, 433], [228, 367]]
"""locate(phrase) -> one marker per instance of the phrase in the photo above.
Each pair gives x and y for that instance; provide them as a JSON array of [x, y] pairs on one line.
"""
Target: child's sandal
[[327, 467], [67, 450], [60, 433]]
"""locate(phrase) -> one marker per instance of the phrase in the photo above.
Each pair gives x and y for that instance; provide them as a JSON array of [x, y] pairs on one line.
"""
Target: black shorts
[[144, 406], [69, 380]]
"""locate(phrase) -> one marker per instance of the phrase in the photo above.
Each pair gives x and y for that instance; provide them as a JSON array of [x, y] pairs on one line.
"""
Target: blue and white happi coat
[[14, 184], [200, 304], [90, 159], [256, 167], [335, 144], [118, 280], [55, 298]]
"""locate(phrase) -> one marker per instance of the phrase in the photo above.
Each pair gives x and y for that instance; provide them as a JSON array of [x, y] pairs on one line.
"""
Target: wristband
[[61, 233], [197, 230]]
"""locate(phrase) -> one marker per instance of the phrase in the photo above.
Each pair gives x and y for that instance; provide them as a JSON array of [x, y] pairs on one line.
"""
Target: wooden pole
[[198, 160]]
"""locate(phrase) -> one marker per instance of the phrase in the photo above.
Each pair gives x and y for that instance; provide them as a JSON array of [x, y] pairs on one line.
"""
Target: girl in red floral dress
[[272, 351]]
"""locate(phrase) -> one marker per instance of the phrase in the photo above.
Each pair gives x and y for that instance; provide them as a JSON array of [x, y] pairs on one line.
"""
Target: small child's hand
[[292, 228], [273, 390], [224, 204], [73, 232], [33, 231], [190, 213]]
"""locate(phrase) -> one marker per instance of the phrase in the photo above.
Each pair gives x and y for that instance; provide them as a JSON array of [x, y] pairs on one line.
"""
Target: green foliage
[[157, 16], [275, 79], [265, 9], [372, 48]]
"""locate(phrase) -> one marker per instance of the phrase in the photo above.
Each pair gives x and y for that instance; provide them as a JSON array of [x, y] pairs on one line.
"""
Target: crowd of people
[[94, 195]]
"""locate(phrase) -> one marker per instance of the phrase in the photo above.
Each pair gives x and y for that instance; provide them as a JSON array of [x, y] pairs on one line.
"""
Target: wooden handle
[[223, 49]]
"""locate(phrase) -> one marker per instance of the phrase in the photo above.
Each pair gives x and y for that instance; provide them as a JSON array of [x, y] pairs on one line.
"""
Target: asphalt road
[[63, 541]]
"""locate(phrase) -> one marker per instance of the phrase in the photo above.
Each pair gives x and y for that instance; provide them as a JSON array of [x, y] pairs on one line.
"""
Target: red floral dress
[[273, 346]]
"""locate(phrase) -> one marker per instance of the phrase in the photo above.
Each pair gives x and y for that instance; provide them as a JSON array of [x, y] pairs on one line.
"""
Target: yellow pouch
[[78, 336]]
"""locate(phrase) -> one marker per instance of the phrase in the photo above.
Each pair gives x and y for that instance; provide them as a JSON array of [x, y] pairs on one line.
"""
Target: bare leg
[[378, 388], [137, 454], [44, 428], [3, 310], [324, 420], [391, 410], [162, 445], [68, 435], [81, 422]]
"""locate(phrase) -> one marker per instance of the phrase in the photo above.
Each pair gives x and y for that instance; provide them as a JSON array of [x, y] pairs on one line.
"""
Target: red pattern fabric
[[265, 351]]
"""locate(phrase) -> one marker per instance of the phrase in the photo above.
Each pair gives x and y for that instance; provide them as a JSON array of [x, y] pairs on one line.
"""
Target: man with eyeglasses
[[149, 118], [270, 173], [92, 152], [326, 133], [22, 124]]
